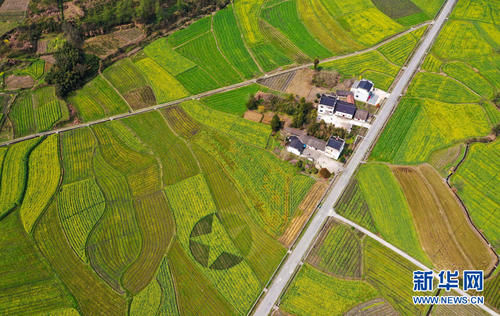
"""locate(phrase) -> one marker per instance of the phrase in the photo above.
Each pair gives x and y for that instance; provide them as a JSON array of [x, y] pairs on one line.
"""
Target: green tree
[[275, 123]]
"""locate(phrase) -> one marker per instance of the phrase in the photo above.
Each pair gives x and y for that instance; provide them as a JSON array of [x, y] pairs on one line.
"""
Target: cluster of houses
[[330, 105], [334, 110], [332, 148]]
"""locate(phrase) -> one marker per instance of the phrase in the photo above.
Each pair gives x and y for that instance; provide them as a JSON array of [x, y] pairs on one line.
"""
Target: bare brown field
[[468, 238], [140, 97], [268, 117], [105, 45], [279, 82], [13, 8], [253, 116], [72, 11], [306, 207], [444, 231], [14, 82]]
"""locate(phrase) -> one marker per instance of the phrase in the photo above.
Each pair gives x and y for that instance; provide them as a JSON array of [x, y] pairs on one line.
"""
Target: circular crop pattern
[[211, 245]]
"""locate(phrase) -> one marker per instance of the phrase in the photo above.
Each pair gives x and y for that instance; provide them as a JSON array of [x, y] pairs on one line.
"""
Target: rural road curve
[[294, 259], [205, 94]]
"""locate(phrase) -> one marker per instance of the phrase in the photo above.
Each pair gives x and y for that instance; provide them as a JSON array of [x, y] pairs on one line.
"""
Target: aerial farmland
[[249, 157]]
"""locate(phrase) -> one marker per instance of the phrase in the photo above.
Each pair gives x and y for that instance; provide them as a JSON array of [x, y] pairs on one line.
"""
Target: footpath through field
[[294, 259], [207, 93]]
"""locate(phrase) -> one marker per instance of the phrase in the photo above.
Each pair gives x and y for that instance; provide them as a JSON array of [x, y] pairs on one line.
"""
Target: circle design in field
[[211, 245]]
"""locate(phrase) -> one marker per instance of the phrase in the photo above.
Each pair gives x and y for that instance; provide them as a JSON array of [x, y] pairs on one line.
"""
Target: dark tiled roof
[[345, 107], [313, 142], [327, 100], [335, 142], [365, 84], [342, 93], [296, 143], [361, 115]]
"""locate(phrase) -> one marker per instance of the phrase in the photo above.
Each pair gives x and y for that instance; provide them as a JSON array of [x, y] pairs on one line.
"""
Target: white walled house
[[362, 90], [327, 105], [330, 105], [295, 146], [334, 147], [344, 109]]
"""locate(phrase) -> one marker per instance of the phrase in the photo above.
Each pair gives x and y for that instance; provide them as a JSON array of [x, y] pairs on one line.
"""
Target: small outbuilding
[[334, 147], [361, 115]]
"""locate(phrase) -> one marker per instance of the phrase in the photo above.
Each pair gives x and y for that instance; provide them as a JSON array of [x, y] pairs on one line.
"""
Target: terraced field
[[37, 111], [121, 214], [245, 39], [182, 211]]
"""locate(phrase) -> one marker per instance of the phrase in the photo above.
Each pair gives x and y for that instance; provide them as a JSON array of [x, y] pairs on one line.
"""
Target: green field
[[391, 275], [315, 293], [203, 51], [14, 178], [44, 174], [98, 99], [398, 51], [165, 86], [22, 115], [117, 198], [37, 111], [477, 183], [244, 130], [284, 17], [35, 69], [233, 102], [128, 80], [389, 209], [353, 205], [338, 252], [439, 124], [372, 66], [30, 287], [231, 44], [161, 52], [380, 66], [440, 88]]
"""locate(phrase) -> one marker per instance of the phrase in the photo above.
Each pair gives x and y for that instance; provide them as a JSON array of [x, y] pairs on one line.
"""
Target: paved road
[[204, 94], [294, 259], [403, 254]]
